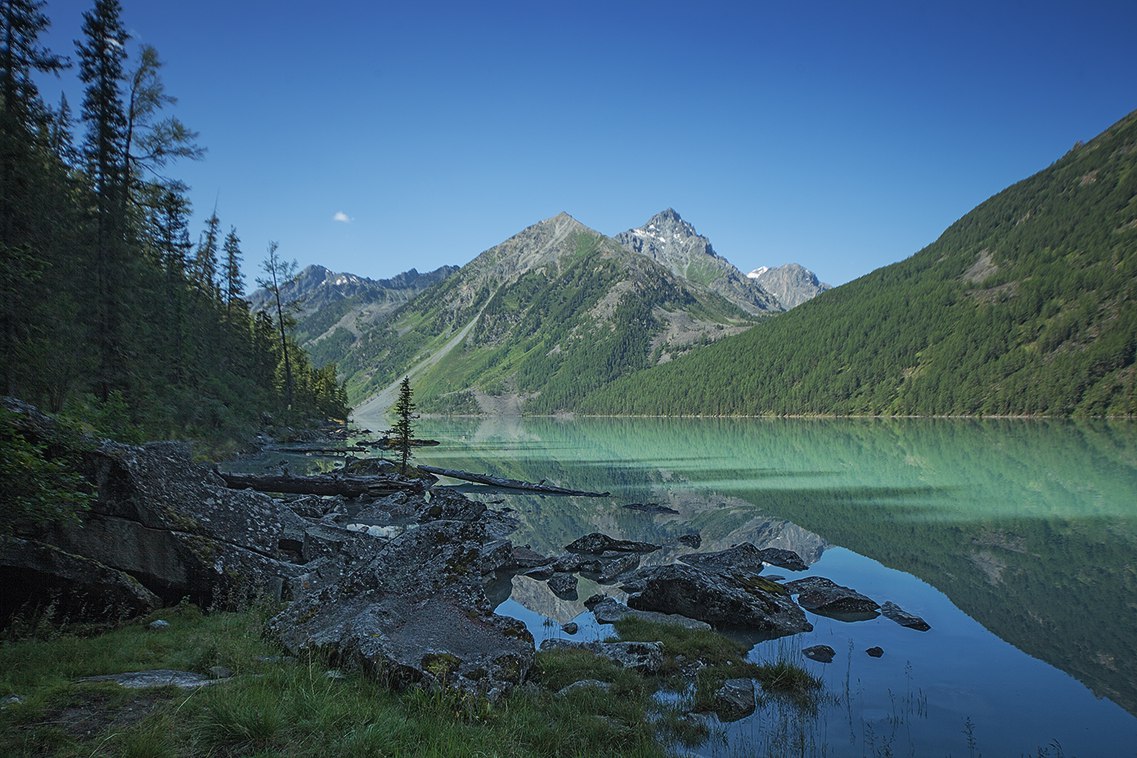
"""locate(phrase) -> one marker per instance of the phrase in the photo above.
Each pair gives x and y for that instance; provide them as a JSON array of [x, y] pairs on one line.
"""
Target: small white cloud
[[341, 217]]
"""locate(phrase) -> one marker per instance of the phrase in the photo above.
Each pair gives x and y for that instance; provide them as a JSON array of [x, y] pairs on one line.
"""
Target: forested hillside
[[108, 311], [1027, 305]]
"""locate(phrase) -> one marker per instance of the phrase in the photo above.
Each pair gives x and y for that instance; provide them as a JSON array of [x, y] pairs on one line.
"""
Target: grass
[[279, 706], [283, 707]]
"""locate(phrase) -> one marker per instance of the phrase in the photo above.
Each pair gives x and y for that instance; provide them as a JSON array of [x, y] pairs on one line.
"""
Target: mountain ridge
[[1025, 306]]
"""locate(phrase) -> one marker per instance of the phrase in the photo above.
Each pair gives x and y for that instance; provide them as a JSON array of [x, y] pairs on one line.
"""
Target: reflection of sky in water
[[1029, 526]]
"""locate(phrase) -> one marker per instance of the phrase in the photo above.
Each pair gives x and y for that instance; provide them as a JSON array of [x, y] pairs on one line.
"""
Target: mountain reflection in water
[[1027, 527]]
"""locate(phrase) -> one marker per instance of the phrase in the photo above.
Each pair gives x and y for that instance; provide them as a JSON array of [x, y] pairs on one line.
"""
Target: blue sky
[[841, 135]]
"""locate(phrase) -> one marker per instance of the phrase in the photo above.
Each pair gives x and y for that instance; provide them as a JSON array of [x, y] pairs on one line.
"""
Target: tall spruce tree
[[234, 280], [102, 54], [403, 430]]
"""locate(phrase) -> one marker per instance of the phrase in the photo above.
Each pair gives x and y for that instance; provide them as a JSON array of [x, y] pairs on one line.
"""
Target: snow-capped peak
[[758, 272]]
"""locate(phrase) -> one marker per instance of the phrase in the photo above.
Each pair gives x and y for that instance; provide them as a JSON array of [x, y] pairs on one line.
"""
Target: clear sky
[[373, 137]]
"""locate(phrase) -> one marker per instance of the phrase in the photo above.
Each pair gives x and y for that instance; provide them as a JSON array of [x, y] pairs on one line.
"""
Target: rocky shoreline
[[394, 586]]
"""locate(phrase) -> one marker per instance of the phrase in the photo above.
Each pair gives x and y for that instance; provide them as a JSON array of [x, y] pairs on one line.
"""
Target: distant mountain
[[336, 308], [1026, 305], [792, 284], [674, 244], [536, 322]]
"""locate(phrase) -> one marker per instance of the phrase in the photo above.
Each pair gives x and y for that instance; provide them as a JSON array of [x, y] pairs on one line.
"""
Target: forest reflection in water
[[1026, 527]]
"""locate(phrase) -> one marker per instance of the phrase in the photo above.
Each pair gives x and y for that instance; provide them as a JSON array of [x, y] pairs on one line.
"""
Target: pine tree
[[101, 54], [403, 430], [234, 280], [206, 263]]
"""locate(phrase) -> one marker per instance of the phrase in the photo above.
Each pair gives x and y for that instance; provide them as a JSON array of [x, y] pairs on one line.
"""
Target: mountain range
[[556, 304], [1025, 306]]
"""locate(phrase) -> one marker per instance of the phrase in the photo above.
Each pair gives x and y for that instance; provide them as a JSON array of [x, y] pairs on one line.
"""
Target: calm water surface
[[1015, 540]]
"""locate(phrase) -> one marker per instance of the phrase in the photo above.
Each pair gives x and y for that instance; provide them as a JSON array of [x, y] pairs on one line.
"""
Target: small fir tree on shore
[[403, 430]]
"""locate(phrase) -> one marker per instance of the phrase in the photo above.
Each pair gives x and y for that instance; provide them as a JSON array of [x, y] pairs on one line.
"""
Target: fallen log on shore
[[513, 484], [322, 484], [391, 443]]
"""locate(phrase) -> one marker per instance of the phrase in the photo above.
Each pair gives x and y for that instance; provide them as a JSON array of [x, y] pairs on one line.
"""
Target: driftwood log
[[513, 484], [323, 484]]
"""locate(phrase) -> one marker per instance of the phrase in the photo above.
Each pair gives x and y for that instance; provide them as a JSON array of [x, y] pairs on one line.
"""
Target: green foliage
[[1026, 306], [101, 311], [403, 430], [37, 477]]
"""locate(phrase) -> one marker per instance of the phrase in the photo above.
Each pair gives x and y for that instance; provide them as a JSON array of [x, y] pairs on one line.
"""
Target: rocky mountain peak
[[673, 243], [792, 284]]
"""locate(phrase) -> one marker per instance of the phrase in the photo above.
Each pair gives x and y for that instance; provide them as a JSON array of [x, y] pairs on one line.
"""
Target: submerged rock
[[902, 617], [821, 595], [819, 653], [716, 599], [875, 652]]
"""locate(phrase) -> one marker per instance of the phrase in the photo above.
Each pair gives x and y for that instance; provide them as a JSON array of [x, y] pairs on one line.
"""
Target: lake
[[1016, 540]]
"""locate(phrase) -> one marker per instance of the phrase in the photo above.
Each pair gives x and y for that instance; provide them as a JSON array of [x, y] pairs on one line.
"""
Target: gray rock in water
[[716, 599], [527, 558], [735, 700], [136, 680], [609, 610], [597, 543], [645, 657], [819, 653], [821, 595], [782, 558], [902, 617], [563, 586], [875, 652], [570, 628], [739, 560]]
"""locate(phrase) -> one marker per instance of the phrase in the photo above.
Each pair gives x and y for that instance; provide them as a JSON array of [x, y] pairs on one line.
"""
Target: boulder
[[175, 527], [875, 651], [35, 573], [614, 567], [787, 559], [415, 614], [739, 560], [902, 617], [563, 586], [716, 599], [645, 657], [597, 543], [821, 595], [735, 700], [608, 610]]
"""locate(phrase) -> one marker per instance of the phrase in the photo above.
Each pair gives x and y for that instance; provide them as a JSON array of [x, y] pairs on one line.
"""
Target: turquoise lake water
[[1015, 540]]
